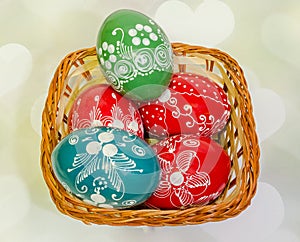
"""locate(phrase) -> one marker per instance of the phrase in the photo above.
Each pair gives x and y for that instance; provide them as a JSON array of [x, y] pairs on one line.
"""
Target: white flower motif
[[99, 201], [177, 183], [110, 150], [106, 137], [93, 147], [142, 35]]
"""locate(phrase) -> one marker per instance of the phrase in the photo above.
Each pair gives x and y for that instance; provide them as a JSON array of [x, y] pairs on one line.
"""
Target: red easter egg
[[192, 104], [101, 105], [195, 170]]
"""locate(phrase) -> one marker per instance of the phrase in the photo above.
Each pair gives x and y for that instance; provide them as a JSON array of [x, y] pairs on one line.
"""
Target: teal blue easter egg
[[106, 167], [135, 54]]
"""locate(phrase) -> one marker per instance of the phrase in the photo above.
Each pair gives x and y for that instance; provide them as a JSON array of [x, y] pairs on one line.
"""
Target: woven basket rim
[[89, 214]]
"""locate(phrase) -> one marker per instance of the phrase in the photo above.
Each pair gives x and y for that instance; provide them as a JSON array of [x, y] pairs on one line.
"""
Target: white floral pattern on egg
[[195, 170], [135, 55], [192, 104], [100, 105], [106, 167]]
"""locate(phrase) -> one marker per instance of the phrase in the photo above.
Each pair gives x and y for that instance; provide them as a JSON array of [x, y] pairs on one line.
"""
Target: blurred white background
[[264, 37]]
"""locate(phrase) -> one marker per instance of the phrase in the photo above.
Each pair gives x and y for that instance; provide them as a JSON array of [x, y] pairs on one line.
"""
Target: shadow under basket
[[239, 139]]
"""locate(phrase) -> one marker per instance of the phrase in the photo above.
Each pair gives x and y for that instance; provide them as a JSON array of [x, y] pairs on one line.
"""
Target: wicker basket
[[80, 69]]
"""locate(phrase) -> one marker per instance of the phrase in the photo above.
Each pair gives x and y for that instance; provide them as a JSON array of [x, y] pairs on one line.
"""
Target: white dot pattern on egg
[[142, 55], [192, 104]]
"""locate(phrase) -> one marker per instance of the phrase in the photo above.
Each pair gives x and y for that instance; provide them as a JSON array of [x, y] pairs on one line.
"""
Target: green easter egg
[[135, 55]]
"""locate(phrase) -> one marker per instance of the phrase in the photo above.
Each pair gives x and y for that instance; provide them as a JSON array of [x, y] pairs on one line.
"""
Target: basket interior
[[80, 70]]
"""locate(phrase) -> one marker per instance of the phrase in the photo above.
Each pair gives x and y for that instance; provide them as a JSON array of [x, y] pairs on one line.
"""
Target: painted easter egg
[[101, 105], [134, 54], [195, 171], [106, 167], [192, 104]]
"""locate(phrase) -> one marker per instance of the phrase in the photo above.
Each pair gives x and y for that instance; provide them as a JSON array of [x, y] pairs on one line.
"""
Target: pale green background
[[265, 41]]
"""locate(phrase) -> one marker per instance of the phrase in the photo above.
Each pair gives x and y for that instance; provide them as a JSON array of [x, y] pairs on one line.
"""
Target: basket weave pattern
[[79, 69]]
